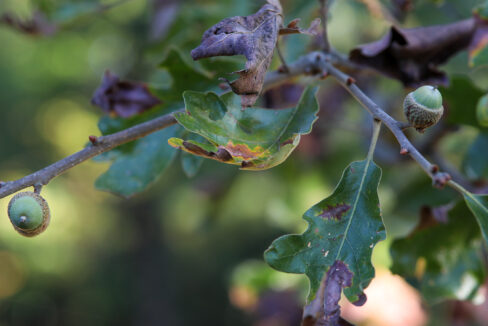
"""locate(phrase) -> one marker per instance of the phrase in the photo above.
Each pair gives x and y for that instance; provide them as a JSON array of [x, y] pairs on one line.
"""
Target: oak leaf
[[412, 55], [253, 36]]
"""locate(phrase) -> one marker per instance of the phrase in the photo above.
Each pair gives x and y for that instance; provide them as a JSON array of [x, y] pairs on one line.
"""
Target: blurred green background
[[186, 251]]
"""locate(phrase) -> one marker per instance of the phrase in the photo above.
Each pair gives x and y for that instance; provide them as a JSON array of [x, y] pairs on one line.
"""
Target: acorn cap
[[482, 111], [29, 213], [423, 107], [428, 96]]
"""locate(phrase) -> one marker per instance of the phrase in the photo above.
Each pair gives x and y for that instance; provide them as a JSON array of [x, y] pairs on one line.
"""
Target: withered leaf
[[412, 55], [123, 98], [337, 278], [253, 36], [293, 28]]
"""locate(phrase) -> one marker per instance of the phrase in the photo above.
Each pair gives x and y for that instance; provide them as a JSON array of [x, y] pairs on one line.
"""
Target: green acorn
[[482, 111], [29, 213], [423, 107]]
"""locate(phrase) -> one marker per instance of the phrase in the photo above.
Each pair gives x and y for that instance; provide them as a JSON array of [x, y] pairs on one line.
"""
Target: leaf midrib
[[354, 207]]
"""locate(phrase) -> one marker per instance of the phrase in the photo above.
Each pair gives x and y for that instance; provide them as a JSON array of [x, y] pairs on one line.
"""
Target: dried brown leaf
[[123, 98], [412, 55], [253, 36], [293, 28]]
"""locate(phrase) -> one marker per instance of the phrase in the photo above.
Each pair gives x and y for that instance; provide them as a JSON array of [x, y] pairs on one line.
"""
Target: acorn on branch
[[29, 213], [482, 111], [423, 107]]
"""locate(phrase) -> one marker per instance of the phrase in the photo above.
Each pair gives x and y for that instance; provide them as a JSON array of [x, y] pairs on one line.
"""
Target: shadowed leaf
[[478, 204], [337, 249], [475, 163], [123, 98], [253, 36], [152, 153], [461, 98], [255, 139], [444, 261], [412, 55], [134, 171]]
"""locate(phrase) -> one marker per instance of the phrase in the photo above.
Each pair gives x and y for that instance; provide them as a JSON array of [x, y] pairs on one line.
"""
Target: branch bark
[[439, 179], [307, 64]]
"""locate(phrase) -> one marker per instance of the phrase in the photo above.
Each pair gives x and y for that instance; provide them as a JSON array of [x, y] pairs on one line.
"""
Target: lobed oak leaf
[[123, 98], [412, 55], [253, 36]]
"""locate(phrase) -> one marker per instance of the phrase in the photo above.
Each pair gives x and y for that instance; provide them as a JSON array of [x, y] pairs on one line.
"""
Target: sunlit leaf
[[254, 138], [343, 230], [444, 261]]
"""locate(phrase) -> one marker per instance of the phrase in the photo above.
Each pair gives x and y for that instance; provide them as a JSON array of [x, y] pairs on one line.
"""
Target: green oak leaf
[[342, 232], [135, 170], [461, 97], [139, 163], [444, 261], [475, 163], [478, 204], [253, 138]]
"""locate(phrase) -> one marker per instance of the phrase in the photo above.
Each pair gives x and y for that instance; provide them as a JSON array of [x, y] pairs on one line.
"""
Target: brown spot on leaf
[[286, 142], [253, 36], [240, 150], [335, 211]]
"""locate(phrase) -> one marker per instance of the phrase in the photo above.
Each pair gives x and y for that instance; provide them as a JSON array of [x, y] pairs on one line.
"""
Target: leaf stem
[[374, 138], [324, 12]]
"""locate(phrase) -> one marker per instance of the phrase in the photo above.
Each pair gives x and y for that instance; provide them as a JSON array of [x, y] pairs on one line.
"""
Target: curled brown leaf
[[253, 36], [123, 98], [293, 28], [412, 55]]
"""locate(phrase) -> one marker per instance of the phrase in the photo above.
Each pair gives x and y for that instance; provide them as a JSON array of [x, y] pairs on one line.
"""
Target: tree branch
[[99, 145], [307, 64], [439, 178]]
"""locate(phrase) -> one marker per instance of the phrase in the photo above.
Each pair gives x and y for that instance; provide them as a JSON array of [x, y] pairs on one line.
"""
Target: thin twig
[[439, 178], [307, 64], [102, 144], [324, 12], [282, 58]]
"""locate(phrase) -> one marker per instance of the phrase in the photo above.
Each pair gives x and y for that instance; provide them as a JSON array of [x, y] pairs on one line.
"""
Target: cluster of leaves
[[343, 229], [443, 256]]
